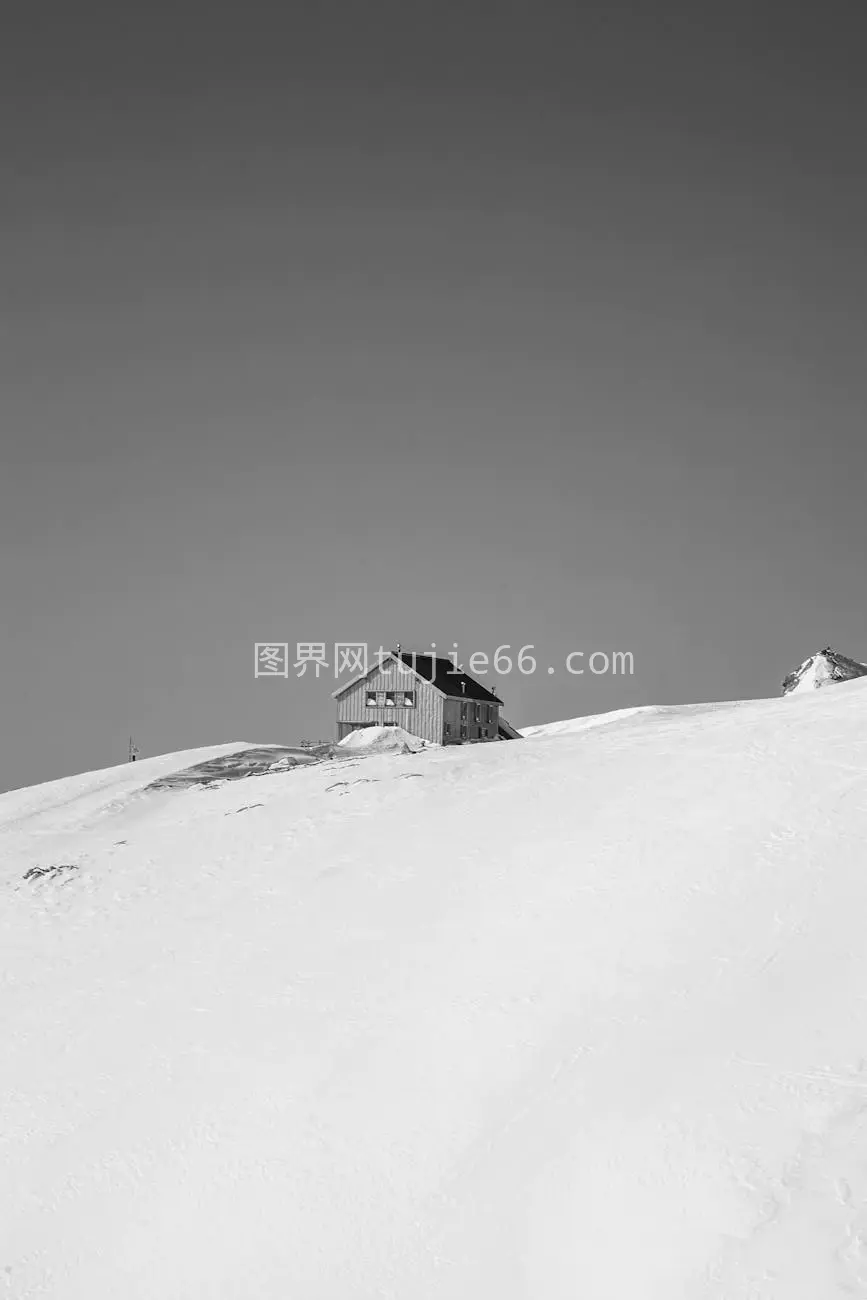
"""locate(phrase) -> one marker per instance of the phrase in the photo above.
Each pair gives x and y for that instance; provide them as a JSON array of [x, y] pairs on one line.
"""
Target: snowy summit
[[823, 669], [578, 1016]]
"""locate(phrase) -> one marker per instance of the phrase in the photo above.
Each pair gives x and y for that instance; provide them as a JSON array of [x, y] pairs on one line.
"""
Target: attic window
[[389, 699], [371, 699], [407, 699]]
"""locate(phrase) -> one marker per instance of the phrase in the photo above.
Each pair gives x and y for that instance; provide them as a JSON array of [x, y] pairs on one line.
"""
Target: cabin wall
[[459, 714], [424, 719]]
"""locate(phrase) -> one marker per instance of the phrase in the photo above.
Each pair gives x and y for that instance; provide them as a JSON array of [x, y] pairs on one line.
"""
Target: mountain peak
[[823, 669]]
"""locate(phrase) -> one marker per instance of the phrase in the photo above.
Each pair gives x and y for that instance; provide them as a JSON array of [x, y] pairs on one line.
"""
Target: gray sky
[[487, 324]]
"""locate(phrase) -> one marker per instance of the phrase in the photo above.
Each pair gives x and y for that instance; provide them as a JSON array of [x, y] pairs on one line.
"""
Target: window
[[389, 699], [463, 713], [463, 731], [477, 713], [408, 699], [488, 715], [371, 699], [448, 729]]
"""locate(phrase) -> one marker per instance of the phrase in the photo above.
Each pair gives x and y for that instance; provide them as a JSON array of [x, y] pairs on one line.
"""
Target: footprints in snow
[[359, 780], [343, 786]]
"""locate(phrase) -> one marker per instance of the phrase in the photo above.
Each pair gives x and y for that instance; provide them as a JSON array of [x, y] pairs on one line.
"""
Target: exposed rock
[[823, 669], [258, 760]]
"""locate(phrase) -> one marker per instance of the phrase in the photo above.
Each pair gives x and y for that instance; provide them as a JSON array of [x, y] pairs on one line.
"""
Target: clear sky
[[479, 323]]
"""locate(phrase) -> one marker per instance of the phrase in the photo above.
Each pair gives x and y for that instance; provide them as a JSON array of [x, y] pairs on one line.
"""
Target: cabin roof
[[439, 672]]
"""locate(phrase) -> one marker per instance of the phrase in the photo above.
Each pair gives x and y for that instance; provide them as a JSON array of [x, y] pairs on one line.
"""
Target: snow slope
[[571, 726], [581, 1016], [94, 790]]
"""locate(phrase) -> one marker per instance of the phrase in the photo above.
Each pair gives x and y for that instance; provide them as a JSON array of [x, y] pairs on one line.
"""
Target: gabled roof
[[368, 672], [440, 673]]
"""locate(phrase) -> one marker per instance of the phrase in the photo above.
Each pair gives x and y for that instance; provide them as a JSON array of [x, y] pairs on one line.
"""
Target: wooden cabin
[[424, 694]]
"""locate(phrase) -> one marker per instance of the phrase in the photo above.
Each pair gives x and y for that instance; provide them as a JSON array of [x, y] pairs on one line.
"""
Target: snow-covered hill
[[581, 1015]]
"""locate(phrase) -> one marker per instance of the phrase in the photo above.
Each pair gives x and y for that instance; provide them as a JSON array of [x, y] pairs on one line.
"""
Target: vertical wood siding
[[425, 719]]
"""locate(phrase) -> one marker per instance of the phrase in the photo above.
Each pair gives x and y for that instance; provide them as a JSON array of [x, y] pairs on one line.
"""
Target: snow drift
[[580, 1016], [382, 740]]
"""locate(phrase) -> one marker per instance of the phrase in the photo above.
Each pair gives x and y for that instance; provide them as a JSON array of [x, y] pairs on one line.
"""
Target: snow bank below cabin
[[382, 740]]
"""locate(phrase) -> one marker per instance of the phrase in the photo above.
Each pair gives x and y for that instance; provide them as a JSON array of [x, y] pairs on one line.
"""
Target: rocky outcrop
[[823, 669]]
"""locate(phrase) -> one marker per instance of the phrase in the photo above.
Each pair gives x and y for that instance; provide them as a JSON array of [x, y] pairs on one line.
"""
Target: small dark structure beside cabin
[[424, 694]]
